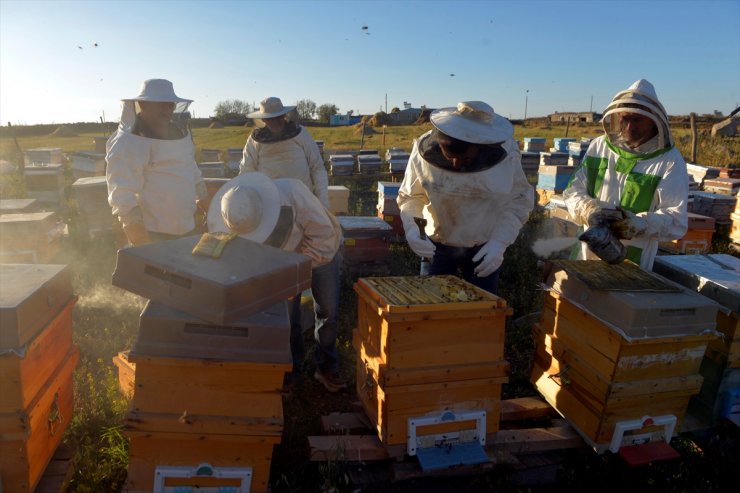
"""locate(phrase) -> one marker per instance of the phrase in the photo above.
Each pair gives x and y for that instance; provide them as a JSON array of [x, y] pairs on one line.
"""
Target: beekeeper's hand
[[423, 248], [629, 226], [489, 258], [136, 234]]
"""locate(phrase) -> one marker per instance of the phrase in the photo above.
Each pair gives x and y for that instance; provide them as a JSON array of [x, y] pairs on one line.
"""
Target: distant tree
[[306, 109], [326, 111], [395, 110], [231, 107]]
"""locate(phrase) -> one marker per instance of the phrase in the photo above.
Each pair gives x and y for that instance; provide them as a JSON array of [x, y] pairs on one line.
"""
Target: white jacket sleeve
[[319, 177], [250, 157], [520, 203], [126, 161], [321, 231]]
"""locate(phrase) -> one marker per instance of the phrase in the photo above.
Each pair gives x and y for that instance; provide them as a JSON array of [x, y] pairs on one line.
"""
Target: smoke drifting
[[110, 299], [543, 248]]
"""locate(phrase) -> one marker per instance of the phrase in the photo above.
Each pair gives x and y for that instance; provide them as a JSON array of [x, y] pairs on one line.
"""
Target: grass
[[106, 322]]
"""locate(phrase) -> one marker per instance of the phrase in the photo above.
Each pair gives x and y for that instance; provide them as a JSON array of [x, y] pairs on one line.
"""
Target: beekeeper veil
[[640, 98], [160, 91]]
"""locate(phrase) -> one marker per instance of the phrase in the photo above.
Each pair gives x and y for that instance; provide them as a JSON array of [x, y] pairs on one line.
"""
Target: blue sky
[[570, 56]]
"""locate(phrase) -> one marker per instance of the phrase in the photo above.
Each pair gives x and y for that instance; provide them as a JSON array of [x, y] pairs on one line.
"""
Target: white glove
[[489, 257], [423, 248], [632, 225]]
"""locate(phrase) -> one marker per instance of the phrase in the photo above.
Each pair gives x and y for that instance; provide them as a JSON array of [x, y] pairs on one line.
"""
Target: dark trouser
[[448, 260], [325, 285]]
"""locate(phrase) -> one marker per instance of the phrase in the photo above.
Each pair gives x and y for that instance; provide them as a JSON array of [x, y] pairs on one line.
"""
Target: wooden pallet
[[350, 438]]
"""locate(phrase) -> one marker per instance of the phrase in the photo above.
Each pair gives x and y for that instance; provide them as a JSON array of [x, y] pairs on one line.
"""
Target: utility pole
[[526, 100], [386, 103], [591, 108]]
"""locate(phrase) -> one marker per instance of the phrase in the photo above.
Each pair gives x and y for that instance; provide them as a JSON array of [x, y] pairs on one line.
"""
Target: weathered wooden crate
[[29, 438], [148, 450], [366, 239], [249, 277], [31, 296], [414, 322], [695, 241], [24, 371], [596, 376], [14, 206]]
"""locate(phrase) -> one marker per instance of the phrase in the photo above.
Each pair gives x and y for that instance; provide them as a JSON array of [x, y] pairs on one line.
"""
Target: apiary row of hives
[[37, 359], [210, 356]]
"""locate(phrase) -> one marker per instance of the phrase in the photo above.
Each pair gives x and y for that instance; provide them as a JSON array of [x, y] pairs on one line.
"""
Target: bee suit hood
[[641, 99]]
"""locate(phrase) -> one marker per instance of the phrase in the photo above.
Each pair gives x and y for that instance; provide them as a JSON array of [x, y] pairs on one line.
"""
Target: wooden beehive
[[126, 373], [366, 239], [698, 237], [31, 237], [31, 295], [148, 450], [425, 345], [45, 182], [338, 199], [24, 371], [597, 372], [12, 206], [29, 438], [221, 291]]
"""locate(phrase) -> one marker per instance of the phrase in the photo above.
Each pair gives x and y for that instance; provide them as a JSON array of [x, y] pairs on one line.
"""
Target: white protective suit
[[467, 209], [316, 233], [159, 178], [650, 180], [298, 157]]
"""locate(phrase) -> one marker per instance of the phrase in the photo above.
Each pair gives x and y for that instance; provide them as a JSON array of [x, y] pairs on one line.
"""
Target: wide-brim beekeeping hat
[[158, 91], [474, 122]]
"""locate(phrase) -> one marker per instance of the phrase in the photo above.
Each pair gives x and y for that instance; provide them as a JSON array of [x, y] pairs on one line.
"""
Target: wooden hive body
[[29, 237], [29, 438], [366, 239], [24, 372], [595, 376], [418, 354], [221, 291]]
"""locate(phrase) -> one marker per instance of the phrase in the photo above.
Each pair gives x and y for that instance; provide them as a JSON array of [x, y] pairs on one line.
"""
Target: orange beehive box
[[28, 439], [24, 371], [126, 373], [596, 376], [152, 450], [426, 345]]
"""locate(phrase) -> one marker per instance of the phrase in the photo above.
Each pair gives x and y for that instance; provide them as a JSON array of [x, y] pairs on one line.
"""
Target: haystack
[[368, 130], [216, 125], [423, 118], [64, 131]]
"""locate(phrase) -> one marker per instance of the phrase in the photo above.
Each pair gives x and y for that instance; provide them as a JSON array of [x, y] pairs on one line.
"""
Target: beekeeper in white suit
[[154, 183], [465, 179], [635, 167], [281, 148], [285, 214]]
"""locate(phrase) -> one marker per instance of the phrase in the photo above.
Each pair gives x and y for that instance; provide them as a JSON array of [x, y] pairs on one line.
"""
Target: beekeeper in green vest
[[636, 168]]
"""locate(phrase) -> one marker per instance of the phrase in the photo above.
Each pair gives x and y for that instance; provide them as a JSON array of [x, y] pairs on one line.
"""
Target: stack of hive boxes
[[210, 357], [717, 277], [369, 164], [397, 160], [234, 157], [96, 215], [388, 207], [366, 245], [698, 237], [37, 359], [45, 182], [618, 350], [552, 180], [30, 237], [426, 345], [576, 151], [341, 164], [718, 206], [534, 144], [210, 155], [723, 186]]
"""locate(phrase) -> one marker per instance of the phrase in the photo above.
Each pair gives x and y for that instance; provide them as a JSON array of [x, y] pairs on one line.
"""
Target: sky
[[72, 61]]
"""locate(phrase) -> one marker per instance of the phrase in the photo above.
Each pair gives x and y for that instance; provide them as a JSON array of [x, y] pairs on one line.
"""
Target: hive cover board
[[263, 337], [639, 303], [247, 278], [31, 295], [364, 226], [715, 276]]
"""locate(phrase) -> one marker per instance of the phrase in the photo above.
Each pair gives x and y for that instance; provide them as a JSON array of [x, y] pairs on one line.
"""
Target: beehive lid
[[247, 278], [420, 293], [352, 226], [43, 168], [716, 276], [637, 303], [90, 182], [338, 191], [19, 221], [389, 188], [8, 206]]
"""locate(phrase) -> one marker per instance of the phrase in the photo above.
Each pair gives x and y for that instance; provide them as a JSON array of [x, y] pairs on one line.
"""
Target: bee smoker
[[602, 241]]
